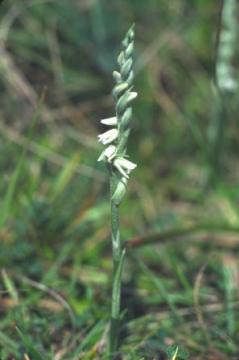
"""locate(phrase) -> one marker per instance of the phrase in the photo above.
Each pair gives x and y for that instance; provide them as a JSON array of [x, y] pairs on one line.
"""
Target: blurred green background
[[181, 289]]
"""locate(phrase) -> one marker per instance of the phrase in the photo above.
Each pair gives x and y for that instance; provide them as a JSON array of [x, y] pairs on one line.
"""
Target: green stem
[[118, 257], [217, 136]]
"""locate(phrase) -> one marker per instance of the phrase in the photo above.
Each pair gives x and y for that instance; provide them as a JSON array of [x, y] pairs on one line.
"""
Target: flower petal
[[108, 153], [124, 166], [108, 136], [112, 121]]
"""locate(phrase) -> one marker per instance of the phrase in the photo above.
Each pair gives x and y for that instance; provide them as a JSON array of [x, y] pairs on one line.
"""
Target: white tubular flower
[[124, 166], [108, 136], [108, 154], [112, 121]]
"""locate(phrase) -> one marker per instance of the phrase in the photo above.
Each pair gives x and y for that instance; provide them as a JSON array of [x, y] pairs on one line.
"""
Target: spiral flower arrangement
[[116, 138], [115, 156]]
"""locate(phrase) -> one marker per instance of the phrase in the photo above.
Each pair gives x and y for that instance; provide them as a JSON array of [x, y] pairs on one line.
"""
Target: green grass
[[180, 286]]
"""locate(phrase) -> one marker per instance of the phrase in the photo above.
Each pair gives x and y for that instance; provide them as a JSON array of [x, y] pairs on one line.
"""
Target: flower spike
[[117, 136], [115, 155]]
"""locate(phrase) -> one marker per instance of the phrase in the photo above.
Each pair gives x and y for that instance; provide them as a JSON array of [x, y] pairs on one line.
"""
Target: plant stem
[[217, 136], [225, 85], [118, 256]]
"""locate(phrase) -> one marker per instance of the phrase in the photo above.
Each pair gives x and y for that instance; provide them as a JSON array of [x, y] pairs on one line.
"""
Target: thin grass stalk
[[115, 156], [224, 85]]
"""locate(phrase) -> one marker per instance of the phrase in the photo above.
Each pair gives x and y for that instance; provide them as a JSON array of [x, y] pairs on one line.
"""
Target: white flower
[[112, 121], [108, 136], [124, 166], [108, 154]]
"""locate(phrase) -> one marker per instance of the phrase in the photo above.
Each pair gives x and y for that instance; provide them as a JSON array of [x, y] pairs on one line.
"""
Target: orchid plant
[[116, 158]]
